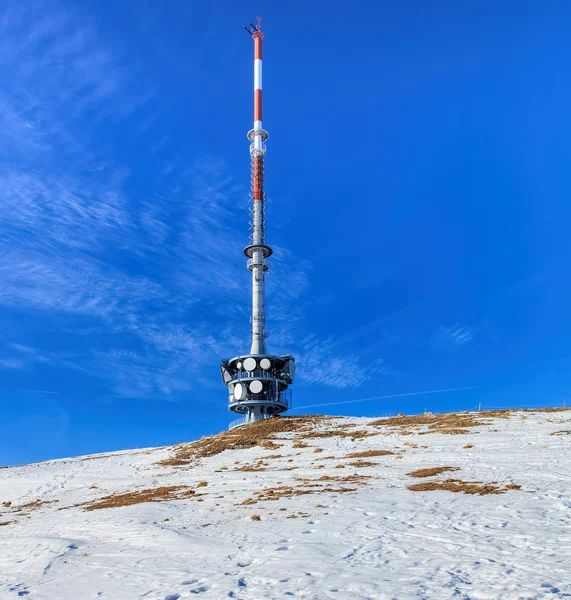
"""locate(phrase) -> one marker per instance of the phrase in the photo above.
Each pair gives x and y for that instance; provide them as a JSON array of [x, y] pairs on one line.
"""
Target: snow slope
[[380, 540]]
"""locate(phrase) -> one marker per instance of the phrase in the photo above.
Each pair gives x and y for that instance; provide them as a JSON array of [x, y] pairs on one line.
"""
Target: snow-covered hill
[[468, 505]]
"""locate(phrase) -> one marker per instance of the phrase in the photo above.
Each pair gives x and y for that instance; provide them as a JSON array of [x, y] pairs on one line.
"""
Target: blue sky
[[418, 185]]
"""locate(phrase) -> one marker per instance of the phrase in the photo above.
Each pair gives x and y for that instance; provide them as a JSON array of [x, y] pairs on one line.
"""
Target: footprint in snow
[[189, 582], [172, 597], [282, 548], [553, 589]]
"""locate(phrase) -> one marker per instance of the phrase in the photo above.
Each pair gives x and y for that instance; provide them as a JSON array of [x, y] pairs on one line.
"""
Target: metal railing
[[257, 374], [270, 397]]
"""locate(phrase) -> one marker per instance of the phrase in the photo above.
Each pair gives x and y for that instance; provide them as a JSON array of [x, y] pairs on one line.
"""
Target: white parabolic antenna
[[256, 387], [265, 364], [238, 391], [238, 365], [250, 364]]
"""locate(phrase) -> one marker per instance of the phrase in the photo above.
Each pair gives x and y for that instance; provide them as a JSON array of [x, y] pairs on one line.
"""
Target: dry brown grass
[[5, 523], [363, 463], [202, 484], [35, 504], [291, 491], [430, 472], [468, 446], [369, 454], [256, 518], [269, 445], [450, 423], [251, 468], [297, 443], [562, 432], [259, 433], [346, 478], [160, 494], [307, 486], [6, 504], [466, 487], [341, 432], [547, 410]]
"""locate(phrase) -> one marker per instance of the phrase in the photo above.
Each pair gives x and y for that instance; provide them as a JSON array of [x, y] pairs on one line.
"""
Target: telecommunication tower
[[258, 382]]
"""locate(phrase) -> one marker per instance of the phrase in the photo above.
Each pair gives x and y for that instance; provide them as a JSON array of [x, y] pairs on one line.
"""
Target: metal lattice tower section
[[258, 251], [258, 382]]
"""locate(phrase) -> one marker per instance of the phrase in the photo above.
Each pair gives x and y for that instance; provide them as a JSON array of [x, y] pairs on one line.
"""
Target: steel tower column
[[258, 250], [258, 382]]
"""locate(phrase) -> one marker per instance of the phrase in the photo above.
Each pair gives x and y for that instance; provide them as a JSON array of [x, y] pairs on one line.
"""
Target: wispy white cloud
[[153, 290], [10, 363], [451, 337], [321, 363]]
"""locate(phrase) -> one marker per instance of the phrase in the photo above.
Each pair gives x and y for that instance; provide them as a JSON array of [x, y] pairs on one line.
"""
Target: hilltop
[[460, 505]]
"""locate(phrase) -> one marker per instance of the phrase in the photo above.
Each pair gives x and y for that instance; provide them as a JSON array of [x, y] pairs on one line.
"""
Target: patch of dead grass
[[160, 494], [363, 463], [562, 432], [346, 478], [450, 423], [307, 486], [297, 443], [430, 472], [465, 487], [369, 453], [36, 504], [340, 432], [259, 433]]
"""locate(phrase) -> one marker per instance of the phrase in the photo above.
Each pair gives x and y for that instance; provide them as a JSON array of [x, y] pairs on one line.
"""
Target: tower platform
[[258, 385]]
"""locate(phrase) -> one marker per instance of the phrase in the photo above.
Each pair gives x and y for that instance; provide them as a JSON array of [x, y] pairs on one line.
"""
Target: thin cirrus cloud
[[451, 337], [150, 292]]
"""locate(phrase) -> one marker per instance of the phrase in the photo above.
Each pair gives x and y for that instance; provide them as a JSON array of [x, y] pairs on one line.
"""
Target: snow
[[380, 541]]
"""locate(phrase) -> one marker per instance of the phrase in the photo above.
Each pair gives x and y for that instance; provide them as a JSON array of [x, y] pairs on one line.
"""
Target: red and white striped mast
[[258, 382], [258, 251]]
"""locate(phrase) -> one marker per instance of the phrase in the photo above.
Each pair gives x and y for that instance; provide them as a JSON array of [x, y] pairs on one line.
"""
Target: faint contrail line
[[474, 387]]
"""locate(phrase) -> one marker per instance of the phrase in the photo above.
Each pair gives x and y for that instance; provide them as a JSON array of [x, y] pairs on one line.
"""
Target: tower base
[[258, 385]]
